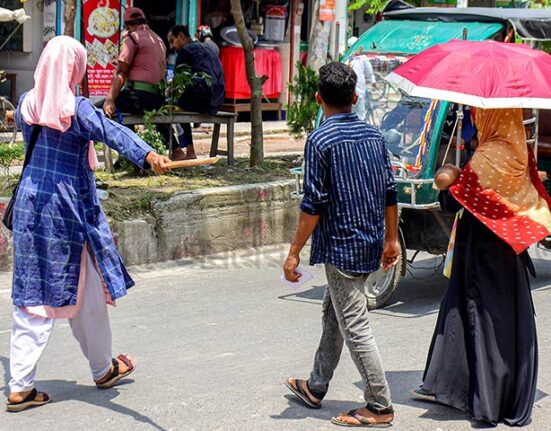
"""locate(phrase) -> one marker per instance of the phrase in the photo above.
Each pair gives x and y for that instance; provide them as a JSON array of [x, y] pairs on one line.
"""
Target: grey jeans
[[345, 318]]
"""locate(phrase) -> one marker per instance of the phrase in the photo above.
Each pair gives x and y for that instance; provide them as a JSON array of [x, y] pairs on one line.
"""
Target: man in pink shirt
[[141, 66]]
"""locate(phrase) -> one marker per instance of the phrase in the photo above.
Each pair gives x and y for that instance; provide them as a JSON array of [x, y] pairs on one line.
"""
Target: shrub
[[301, 113], [152, 137], [10, 153]]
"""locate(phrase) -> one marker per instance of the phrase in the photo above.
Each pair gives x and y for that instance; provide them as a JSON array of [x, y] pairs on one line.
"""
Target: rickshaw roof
[[410, 37], [529, 24]]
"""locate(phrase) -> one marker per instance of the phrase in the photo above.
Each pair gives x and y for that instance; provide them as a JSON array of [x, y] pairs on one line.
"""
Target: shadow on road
[[65, 390], [420, 291], [401, 382], [543, 270], [298, 410], [314, 295], [6, 366]]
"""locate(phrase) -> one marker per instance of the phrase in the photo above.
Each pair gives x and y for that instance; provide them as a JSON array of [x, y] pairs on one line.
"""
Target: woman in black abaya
[[483, 357]]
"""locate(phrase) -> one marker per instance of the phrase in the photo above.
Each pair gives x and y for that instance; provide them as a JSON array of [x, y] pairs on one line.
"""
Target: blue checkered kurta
[[57, 211]]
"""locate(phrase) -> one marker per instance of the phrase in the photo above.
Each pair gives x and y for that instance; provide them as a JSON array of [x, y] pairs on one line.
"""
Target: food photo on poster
[[101, 34]]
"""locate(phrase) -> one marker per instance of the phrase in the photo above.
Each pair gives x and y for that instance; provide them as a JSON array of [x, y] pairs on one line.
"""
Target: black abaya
[[483, 357]]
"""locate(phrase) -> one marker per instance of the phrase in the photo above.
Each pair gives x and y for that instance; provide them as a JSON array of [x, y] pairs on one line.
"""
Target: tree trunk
[[69, 15], [318, 42], [255, 84]]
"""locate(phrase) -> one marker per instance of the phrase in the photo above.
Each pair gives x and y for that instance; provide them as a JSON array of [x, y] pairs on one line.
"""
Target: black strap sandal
[[28, 402], [114, 376], [299, 392]]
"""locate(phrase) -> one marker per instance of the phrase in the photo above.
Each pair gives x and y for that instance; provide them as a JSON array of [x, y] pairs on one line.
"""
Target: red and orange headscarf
[[500, 185]]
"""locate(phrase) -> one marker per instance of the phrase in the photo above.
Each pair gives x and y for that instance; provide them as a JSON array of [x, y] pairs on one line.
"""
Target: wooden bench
[[237, 107], [227, 118]]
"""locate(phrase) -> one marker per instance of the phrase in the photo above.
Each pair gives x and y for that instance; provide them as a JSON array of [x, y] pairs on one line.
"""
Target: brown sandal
[[362, 421], [114, 376], [28, 402], [301, 393]]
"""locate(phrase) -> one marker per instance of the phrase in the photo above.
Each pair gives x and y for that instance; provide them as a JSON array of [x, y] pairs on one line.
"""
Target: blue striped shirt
[[348, 182]]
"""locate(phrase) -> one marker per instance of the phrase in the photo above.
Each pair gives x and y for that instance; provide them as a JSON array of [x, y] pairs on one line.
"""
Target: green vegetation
[[131, 196], [375, 6], [301, 113], [9, 154], [153, 138]]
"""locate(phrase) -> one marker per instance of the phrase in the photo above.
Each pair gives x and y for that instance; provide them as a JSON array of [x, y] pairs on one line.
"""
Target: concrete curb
[[208, 221], [200, 222]]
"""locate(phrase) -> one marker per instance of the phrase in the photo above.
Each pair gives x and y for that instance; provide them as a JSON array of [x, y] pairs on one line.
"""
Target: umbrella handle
[[459, 117]]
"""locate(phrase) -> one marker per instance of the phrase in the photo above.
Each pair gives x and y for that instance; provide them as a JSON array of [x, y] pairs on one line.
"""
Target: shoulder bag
[[8, 215]]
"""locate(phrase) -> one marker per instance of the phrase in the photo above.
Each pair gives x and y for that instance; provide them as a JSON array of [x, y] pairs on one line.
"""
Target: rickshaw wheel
[[380, 285]]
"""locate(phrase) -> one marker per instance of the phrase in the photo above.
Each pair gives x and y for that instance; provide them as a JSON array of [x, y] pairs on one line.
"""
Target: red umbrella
[[484, 74]]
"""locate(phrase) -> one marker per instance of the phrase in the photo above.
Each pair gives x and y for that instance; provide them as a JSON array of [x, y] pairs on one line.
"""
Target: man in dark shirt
[[350, 207], [201, 97]]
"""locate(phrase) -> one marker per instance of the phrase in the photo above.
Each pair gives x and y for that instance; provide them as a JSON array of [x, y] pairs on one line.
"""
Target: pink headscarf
[[51, 102], [61, 67]]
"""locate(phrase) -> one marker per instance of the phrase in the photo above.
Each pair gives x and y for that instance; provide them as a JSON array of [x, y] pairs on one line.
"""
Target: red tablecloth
[[267, 62]]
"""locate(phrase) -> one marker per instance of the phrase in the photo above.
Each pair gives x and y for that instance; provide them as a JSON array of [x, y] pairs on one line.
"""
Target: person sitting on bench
[[200, 97], [141, 67]]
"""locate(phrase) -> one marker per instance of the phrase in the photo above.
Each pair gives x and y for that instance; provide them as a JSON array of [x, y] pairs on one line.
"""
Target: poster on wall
[[327, 10], [101, 34]]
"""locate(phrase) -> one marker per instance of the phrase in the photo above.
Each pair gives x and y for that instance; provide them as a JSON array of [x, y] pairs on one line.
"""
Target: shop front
[[97, 25], [267, 21], [277, 26]]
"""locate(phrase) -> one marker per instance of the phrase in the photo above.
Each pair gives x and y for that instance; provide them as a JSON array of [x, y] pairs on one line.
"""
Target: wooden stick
[[192, 162]]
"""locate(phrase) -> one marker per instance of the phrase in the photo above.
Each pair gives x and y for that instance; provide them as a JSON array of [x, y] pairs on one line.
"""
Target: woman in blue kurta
[[66, 263]]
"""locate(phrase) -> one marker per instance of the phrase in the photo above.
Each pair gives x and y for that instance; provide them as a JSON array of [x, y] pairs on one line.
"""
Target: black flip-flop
[[29, 402], [299, 392], [364, 422]]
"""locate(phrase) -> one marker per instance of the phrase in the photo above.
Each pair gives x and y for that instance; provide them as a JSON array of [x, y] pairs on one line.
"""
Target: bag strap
[[34, 137]]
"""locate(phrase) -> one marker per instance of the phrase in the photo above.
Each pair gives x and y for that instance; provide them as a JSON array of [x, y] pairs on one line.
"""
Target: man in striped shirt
[[350, 207]]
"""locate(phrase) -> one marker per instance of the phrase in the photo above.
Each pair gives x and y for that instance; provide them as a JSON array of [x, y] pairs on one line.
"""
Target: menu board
[[327, 10], [101, 35]]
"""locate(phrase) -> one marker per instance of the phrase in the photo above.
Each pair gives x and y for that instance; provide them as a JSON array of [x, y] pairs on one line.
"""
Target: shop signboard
[[327, 10], [101, 34]]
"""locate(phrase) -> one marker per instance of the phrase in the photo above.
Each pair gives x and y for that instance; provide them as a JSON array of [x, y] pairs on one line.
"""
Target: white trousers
[[90, 327]]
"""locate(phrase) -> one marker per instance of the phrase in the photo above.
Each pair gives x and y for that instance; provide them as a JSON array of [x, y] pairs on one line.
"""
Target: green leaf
[[10, 153], [373, 6], [301, 113]]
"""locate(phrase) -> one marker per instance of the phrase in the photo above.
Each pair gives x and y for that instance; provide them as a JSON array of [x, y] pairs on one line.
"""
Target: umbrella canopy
[[484, 74]]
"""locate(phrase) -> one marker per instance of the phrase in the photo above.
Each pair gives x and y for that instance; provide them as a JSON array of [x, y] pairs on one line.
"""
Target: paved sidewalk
[[277, 140]]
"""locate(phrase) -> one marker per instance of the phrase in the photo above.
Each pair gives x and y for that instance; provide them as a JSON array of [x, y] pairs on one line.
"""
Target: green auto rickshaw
[[420, 133]]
